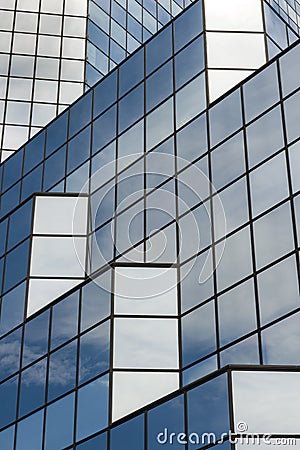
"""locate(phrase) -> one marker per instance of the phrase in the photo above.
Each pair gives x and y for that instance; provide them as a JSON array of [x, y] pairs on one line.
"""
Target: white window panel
[[7, 4], [26, 22], [74, 26], [52, 6], [42, 114], [28, 5], [18, 113], [146, 343], [49, 46], [57, 256], [24, 43], [14, 136], [1, 112], [73, 48], [235, 50], [220, 81], [72, 70], [133, 390], [69, 92], [47, 68], [5, 40], [234, 15], [45, 91], [6, 20], [76, 7], [3, 85], [70, 214], [22, 66], [4, 60], [44, 291], [145, 290], [50, 24]]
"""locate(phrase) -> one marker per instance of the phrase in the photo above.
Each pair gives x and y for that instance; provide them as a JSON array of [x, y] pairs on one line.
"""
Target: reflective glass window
[[131, 432], [159, 86], [32, 394], [78, 149], [104, 129], [159, 124], [30, 432], [19, 225], [8, 397], [10, 354], [289, 78], [65, 320], [57, 133], [132, 71], [189, 62], [105, 93], [60, 423], [12, 308], [54, 169], [159, 49], [245, 352], [34, 152], [292, 116], [192, 141], [190, 101], [36, 338], [188, 25], [62, 370], [294, 157], [80, 114], [131, 107], [16, 265]]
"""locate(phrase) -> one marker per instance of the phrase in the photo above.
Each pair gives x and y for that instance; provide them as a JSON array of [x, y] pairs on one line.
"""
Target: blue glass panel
[[95, 303], [208, 409], [57, 133], [36, 338], [7, 438], [281, 342], [261, 92], [192, 141], [225, 117], [30, 432], [19, 225], [54, 169], [34, 151], [65, 320], [32, 182], [292, 116], [159, 86], [131, 432], [188, 25], [131, 107], [159, 49], [10, 348], [99, 442], [245, 352], [275, 27], [8, 397], [32, 394], [190, 101], [78, 180], [12, 308], [16, 265], [199, 370], [189, 62], [132, 71], [162, 421], [105, 93], [3, 235], [92, 75], [198, 333], [92, 407], [117, 53], [12, 170], [102, 246], [289, 78], [10, 199], [60, 423], [98, 37], [81, 113], [94, 352], [79, 149], [62, 370], [104, 129]]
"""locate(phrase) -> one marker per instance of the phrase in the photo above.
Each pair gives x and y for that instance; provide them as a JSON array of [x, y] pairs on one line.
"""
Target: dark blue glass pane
[[208, 409], [20, 225], [225, 117], [189, 62], [10, 348], [7, 438], [96, 36], [159, 86], [95, 303], [57, 133], [16, 265], [32, 182], [34, 151], [79, 149], [54, 169], [164, 420], [105, 93], [92, 75], [30, 432], [12, 308], [36, 338], [99, 443], [132, 71], [92, 407], [10, 199], [8, 397], [131, 107], [104, 129], [3, 234], [60, 423], [81, 113], [62, 370], [192, 141], [159, 49], [131, 433], [188, 25], [65, 320], [12, 170], [94, 352], [32, 394]]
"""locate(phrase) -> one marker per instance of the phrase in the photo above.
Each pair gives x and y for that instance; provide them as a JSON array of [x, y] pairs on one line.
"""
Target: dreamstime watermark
[[240, 437], [152, 222]]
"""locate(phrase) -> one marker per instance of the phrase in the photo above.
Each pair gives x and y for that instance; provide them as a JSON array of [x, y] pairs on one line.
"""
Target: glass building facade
[[149, 244]]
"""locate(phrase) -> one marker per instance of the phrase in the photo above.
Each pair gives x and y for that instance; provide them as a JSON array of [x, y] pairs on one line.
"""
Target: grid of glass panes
[[289, 10], [118, 27], [256, 266], [42, 64]]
